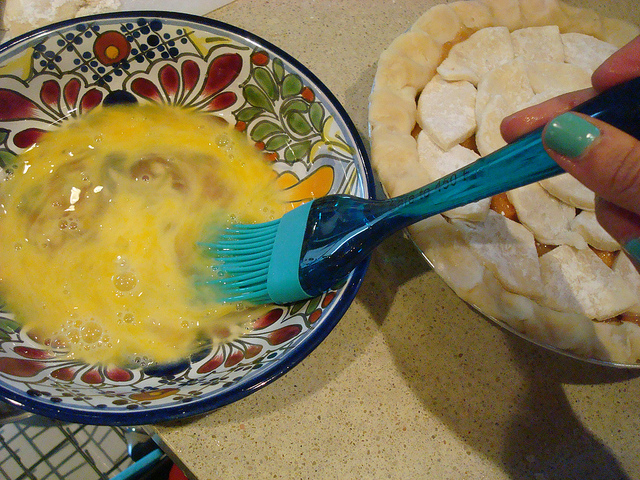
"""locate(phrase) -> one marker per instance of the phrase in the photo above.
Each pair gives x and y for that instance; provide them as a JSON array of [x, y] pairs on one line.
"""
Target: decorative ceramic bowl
[[67, 69]]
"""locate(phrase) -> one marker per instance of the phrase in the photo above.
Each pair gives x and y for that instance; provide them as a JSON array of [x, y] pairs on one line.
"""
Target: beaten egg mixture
[[100, 222]]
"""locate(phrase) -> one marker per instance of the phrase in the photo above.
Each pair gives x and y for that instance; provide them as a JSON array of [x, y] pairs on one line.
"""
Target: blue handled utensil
[[311, 248]]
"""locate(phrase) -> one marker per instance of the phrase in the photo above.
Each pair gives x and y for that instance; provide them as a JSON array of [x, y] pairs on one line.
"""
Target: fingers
[[537, 116], [603, 158], [621, 224], [621, 66], [600, 156]]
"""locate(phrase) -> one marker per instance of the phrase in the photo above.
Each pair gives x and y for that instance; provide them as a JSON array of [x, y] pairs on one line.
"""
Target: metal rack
[[36, 448]]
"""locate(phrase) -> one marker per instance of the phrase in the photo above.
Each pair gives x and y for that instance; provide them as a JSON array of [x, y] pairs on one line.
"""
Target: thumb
[[600, 156]]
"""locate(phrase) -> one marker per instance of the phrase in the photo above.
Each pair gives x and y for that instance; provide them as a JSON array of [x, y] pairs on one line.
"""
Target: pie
[[534, 258]]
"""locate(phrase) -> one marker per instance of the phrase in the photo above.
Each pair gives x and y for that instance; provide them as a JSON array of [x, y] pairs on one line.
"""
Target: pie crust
[[564, 297]]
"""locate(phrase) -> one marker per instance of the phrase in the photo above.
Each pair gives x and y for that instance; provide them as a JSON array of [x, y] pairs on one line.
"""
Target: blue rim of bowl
[[289, 360]]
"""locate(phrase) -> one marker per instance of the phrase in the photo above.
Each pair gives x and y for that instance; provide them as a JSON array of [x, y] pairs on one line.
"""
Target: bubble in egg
[[125, 281]]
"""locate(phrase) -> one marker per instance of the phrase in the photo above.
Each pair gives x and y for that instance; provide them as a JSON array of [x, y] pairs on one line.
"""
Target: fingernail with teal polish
[[570, 135], [632, 249]]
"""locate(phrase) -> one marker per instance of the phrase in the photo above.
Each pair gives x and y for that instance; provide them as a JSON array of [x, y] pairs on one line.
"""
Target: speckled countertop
[[412, 383]]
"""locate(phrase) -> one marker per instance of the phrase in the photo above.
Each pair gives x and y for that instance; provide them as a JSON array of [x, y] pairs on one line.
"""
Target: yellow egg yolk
[[100, 223]]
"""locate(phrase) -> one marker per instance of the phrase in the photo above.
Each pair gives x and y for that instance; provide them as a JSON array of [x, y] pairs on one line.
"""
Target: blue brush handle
[[340, 247]]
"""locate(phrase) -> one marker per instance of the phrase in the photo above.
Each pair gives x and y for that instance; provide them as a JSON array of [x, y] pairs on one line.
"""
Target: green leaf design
[[276, 142], [257, 98], [296, 307], [266, 82], [278, 69], [299, 124], [6, 158], [313, 304], [217, 40], [294, 105], [264, 129], [291, 85], [3, 135], [297, 151], [9, 325], [316, 115], [249, 113]]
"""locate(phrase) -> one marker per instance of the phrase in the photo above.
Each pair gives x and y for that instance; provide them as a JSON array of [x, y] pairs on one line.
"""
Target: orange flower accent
[[315, 185], [154, 394], [111, 47], [259, 58], [308, 94]]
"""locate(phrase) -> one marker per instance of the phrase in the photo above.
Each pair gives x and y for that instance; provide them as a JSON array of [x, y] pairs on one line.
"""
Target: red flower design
[[193, 84], [20, 367], [58, 98], [283, 334], [211, 364]]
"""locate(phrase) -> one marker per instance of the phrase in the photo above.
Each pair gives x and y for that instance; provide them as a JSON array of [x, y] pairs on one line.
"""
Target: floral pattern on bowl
[[64, 71]]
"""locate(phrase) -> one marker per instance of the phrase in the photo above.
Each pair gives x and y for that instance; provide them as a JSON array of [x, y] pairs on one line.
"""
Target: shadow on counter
[[500, 394]]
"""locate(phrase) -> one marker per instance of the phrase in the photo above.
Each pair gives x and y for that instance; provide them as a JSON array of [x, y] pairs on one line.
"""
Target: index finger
[[621, 66], [524, 121]]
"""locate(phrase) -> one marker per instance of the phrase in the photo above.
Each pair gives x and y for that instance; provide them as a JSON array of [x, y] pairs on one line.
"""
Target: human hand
[[600, 156]]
